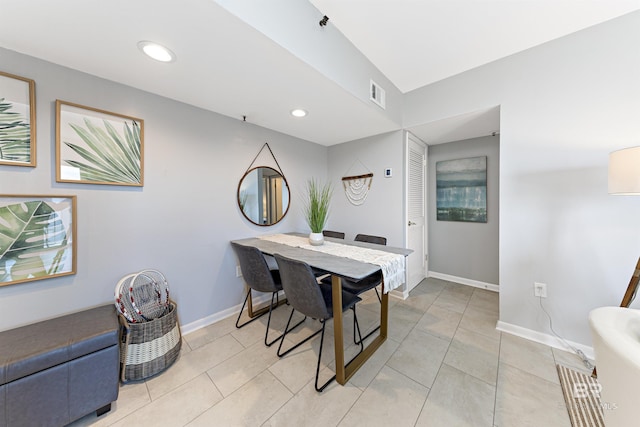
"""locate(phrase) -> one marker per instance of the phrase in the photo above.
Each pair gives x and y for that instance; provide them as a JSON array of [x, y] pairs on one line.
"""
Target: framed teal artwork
[[461, 189]]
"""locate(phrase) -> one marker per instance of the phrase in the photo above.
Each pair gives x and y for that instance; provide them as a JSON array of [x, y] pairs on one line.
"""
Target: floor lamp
[[624, 180]]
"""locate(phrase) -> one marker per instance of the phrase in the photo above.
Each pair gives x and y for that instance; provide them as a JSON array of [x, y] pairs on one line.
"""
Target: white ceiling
[[226, 66], [417, 42]]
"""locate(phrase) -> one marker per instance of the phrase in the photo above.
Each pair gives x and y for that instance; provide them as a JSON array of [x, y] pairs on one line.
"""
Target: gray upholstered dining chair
[[312, 299], [335, 234], [260, 278], [378, 240], [370, 282]]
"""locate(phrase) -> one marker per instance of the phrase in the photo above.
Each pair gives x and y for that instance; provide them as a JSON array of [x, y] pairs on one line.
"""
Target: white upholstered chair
[[616, 342]]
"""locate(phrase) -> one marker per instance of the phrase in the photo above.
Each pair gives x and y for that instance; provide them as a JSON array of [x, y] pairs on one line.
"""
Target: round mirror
[[263, 196]]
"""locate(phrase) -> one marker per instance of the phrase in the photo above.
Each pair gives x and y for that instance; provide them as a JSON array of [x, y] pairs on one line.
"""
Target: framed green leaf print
[[98, 147], [37, 237], [17, 121]]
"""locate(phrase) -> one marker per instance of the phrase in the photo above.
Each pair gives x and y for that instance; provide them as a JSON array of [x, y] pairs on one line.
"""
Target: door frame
[[408, 135]]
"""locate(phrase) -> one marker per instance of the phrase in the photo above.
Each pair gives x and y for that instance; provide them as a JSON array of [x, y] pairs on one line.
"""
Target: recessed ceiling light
[[298, 112], [156, 51]]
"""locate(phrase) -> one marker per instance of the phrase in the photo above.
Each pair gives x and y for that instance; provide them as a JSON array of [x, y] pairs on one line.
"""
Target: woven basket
[[148, 348]]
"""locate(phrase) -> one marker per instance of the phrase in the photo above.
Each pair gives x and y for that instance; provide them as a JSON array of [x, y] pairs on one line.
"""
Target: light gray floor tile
[[254, 332], [458, 290], [251, 405], [192, 364], [532, 357], [442, 337], [185, 347], [435, 284], [176, 408], [487, 300], [481, 320], [452, 301], [474, 354], [370, 300], [210, 333], [402, 319], [367, 319], [297, 368], [423, 295], [372, 367], [440, 322], [392, 399], [458, 400], [526, 400], [419, 357], [236, 371], [309, 408]]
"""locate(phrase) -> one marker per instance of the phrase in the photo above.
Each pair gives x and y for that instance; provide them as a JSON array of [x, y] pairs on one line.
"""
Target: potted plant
[[316, 209]]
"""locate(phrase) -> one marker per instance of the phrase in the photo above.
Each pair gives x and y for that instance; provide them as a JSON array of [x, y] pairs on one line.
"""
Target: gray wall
[[564, 106], [382, 213], [466, 250], [180, 222]]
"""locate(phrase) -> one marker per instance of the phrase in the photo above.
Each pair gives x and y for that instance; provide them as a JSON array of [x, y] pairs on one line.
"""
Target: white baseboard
[[400, 293], [463, 281], [518, 331], [543, 338], [216, 317], [257, 300]]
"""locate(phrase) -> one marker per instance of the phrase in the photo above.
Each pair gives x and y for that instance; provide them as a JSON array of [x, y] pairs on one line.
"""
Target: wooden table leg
[[344, 373]]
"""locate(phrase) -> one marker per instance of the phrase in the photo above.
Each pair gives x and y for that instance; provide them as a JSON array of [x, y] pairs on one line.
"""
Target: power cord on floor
[[577, 351]]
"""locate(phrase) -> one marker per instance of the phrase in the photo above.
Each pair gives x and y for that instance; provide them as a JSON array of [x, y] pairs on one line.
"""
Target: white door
[[416, 225]]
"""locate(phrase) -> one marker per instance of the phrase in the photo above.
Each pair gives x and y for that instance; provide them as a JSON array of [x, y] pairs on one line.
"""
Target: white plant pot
[[316, 239]]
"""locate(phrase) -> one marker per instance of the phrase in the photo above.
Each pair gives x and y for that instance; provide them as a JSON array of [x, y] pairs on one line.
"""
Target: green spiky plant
[[111, 157], [317, 203], [15, 135]]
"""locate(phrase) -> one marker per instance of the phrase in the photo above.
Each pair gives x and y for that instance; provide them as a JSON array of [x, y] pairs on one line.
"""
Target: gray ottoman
[[56, 371]]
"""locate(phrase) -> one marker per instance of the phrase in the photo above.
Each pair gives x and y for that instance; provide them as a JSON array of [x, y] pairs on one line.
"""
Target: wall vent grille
[[377, 94]]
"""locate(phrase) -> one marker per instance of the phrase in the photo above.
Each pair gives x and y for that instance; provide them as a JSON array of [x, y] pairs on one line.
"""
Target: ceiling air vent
[[376, 94]]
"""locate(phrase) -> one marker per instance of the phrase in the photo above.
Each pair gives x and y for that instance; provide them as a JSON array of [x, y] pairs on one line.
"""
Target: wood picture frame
[[95, 146], [37, 237], [17, 120]]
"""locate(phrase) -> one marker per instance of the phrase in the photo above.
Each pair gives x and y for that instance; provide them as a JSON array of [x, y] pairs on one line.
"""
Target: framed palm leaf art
[[98, 147], [37, 237], [17, 121]]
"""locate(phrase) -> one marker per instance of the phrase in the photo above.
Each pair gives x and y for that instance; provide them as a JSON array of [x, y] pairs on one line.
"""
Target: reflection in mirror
[[263, 196]]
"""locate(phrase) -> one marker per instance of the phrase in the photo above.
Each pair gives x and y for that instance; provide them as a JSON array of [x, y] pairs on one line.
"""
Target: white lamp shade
[[624, 171]]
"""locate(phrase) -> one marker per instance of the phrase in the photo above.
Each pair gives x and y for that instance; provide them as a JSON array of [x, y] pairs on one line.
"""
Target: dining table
[[339, 259]]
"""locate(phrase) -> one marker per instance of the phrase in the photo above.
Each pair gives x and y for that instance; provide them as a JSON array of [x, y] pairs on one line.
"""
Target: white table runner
[[392, 265]]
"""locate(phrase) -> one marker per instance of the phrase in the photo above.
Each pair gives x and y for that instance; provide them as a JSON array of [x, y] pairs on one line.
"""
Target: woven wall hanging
[[356, 187]]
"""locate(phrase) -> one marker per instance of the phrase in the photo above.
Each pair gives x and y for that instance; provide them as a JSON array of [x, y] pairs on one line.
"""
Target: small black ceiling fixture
[[324, 20]]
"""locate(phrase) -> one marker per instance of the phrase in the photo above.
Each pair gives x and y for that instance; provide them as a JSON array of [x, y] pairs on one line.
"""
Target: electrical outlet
[[540, 290], [238, 271]]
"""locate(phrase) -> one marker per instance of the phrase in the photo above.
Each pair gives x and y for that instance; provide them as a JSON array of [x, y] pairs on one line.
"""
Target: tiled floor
[[444, 364]]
